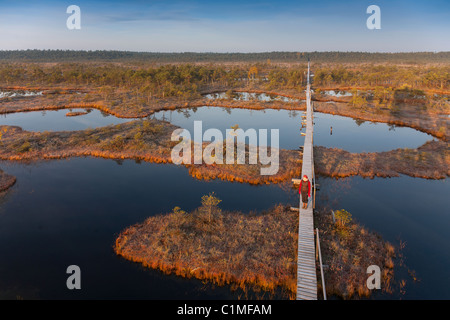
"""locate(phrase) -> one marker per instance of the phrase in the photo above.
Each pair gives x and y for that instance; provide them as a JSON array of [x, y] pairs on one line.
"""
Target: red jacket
[[309, 188]]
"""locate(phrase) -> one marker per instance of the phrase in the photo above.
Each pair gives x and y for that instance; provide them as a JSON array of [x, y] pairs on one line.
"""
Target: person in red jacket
[[305, 190]]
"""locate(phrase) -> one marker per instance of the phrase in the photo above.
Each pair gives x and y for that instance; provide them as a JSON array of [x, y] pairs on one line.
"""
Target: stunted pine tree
[[358, 100], [210, 203], [253, 73], [343, 217]]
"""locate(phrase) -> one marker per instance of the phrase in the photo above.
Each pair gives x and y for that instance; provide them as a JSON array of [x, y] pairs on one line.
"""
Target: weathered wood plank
[[306, 262]]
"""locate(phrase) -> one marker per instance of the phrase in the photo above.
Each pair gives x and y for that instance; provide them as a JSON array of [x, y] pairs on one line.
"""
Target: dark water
[[347, 133], [68, 212], [56, 120], [411, 210]]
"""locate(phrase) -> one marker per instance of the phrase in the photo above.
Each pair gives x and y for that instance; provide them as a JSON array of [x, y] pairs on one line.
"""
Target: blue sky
[[226, 26]]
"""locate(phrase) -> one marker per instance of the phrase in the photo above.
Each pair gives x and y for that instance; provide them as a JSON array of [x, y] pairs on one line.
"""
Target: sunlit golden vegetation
[[254, 250]]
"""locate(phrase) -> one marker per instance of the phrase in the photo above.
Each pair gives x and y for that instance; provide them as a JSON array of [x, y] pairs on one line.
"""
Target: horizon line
[[218, 52]]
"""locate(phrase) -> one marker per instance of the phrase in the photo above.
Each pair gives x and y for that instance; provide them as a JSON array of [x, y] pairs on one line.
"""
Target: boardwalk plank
[[306, 262]]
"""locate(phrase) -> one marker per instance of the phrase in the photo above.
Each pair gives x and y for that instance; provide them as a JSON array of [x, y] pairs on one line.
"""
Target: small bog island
[[256, 251], [76, 113]]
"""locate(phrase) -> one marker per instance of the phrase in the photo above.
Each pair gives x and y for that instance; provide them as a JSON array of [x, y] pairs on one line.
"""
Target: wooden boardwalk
[[306, 263]]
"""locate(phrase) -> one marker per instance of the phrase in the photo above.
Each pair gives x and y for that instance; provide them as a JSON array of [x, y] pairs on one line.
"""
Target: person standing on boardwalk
[[305, 190]]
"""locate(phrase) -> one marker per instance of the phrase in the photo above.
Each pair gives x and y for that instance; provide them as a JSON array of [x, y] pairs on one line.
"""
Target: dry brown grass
[[255, 250], [76, 113], [147, 140], [233, 248], [431, 161], [348, 249]]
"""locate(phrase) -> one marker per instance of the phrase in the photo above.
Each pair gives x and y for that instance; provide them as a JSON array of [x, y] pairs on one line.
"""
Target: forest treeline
[[194, 57], [187, 79], [167, 80]]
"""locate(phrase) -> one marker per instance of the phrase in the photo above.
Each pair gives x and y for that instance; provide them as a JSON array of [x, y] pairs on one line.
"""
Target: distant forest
[[188, 79], [192, 57]]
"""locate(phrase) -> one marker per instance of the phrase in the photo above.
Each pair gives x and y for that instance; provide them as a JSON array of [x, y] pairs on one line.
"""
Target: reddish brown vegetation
[[147, 140], [259, 250], [6, 181], [348, 249], [75, 114], [289, 167], [407, 116], [428, 161], [431, 161], [151, 142], [237, 249], [414, 116]]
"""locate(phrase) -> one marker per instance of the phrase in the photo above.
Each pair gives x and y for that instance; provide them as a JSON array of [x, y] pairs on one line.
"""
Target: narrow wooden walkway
[[306, 263]]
